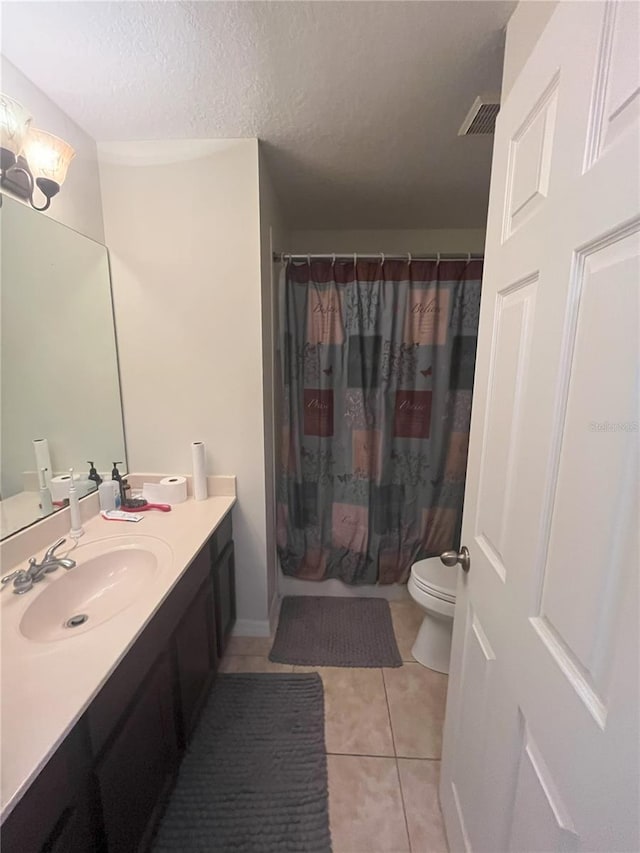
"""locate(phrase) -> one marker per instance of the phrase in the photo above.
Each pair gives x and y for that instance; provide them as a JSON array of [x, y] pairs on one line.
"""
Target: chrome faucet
[[24, 579]]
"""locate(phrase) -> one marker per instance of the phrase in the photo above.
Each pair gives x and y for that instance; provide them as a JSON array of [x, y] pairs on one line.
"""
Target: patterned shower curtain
[[377, 362]]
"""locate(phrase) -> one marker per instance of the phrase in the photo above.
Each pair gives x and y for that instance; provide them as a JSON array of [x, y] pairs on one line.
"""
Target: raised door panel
[[224, 597], [195, 657], [138, 767]]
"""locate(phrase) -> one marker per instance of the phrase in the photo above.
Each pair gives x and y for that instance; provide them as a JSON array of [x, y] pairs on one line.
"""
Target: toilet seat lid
[[435, 578]]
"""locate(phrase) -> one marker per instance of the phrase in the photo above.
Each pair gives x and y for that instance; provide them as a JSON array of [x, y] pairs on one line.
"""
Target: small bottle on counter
[[116, 478], [107, 496]]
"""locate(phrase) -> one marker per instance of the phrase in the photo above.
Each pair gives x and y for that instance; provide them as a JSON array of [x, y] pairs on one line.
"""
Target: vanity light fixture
[[29, 157]]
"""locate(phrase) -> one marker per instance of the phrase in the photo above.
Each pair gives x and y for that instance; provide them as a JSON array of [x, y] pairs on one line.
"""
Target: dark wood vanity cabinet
[[223, 573], [105, 787], [56, 811], [196, 660], [137, 769]]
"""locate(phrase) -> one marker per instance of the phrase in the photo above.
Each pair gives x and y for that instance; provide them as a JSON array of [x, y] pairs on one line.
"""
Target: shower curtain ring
[[333, 260], [409, 259], [309, 260], [382, 260], [438, 260], [468, 257]]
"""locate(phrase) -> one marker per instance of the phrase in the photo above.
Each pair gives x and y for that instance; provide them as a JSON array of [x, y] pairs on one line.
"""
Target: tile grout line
[[395, 758], [386, 699]]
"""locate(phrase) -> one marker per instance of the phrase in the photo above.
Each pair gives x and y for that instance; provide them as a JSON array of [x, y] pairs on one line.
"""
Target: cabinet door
[[195, 657], [224, 596], [138, 767], [57, 808]]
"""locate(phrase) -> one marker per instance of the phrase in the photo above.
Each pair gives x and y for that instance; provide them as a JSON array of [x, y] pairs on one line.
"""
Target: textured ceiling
[[358, 103]]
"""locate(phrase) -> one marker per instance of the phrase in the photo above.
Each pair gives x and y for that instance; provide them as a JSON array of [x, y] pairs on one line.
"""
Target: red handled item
[[161, 507]]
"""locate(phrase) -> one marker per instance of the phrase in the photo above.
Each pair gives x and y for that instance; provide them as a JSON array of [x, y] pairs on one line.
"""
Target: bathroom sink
[[110, 574]]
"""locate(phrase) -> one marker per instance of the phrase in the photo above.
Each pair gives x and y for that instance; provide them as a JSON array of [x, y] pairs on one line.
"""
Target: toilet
[[432, 585]]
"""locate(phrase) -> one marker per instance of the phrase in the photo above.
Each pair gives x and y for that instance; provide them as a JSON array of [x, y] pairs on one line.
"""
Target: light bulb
[[14, 126], [48, 155]]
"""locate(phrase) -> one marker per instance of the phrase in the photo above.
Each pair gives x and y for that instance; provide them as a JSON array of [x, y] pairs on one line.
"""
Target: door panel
[[594, 461], [541, 735], [540, 818], [530, 160], [515, 310], [617, 83]]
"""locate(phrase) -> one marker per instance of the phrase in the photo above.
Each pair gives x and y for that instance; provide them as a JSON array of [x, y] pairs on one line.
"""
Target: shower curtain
[[376, 360]]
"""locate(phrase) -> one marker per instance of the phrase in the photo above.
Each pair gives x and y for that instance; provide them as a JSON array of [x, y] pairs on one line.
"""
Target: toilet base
[[432, 647]]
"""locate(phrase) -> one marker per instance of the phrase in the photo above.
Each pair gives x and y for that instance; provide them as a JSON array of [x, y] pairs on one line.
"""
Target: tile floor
[[383, 732]]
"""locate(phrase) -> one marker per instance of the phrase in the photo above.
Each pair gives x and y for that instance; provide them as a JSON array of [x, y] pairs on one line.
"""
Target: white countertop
[[47, 686]]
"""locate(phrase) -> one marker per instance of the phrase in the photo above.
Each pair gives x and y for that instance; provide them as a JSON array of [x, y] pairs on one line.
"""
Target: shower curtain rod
[[378, 256]]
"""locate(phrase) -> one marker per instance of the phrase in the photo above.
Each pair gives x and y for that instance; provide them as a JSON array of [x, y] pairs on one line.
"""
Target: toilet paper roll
[[59, 486], [170, 490], [43, 458], [199, 470]]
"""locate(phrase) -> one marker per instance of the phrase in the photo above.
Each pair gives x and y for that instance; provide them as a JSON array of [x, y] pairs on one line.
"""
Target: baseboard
[[251, 628], [296, 586]]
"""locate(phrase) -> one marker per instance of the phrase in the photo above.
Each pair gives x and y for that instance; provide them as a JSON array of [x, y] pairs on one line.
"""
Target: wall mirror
[[58, 362]]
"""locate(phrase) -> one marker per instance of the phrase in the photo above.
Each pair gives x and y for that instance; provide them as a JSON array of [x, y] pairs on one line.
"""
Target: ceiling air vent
[[481, 118]]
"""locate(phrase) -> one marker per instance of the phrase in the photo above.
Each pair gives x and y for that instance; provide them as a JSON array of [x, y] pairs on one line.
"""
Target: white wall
[[525, 27], [389, 241], [273, 235], [183, 230], [78, 204]]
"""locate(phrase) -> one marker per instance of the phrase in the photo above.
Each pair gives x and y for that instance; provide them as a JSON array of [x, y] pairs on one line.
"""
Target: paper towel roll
[[199, 470], [43, 458], [170, 490]]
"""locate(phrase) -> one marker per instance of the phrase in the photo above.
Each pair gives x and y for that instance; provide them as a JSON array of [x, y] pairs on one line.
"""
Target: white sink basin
[[108, 577]]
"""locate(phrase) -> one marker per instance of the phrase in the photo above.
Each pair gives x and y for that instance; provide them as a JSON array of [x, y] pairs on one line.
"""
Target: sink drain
[[74, 621]]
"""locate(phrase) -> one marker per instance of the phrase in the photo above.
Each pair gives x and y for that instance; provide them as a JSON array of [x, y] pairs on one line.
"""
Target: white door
[[541, 745]]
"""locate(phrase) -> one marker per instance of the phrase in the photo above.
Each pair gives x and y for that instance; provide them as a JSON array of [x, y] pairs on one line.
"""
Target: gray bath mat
[[326, 631], [255, 775]]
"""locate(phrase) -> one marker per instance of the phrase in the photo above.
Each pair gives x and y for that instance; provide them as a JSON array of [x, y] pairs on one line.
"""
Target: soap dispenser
[[119, 485], [93, 474]]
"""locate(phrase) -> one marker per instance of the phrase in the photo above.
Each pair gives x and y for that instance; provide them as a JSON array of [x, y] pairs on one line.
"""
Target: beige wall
[[183, 230], [273, 234], [408, 240], [523, 31], [78, 204]]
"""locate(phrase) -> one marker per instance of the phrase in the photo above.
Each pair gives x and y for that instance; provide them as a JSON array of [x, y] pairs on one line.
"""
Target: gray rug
[[327, 631], [254, 778]]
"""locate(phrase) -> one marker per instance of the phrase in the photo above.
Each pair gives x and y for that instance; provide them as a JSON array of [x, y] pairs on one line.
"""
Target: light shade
[[48, 155], [14, 124]]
